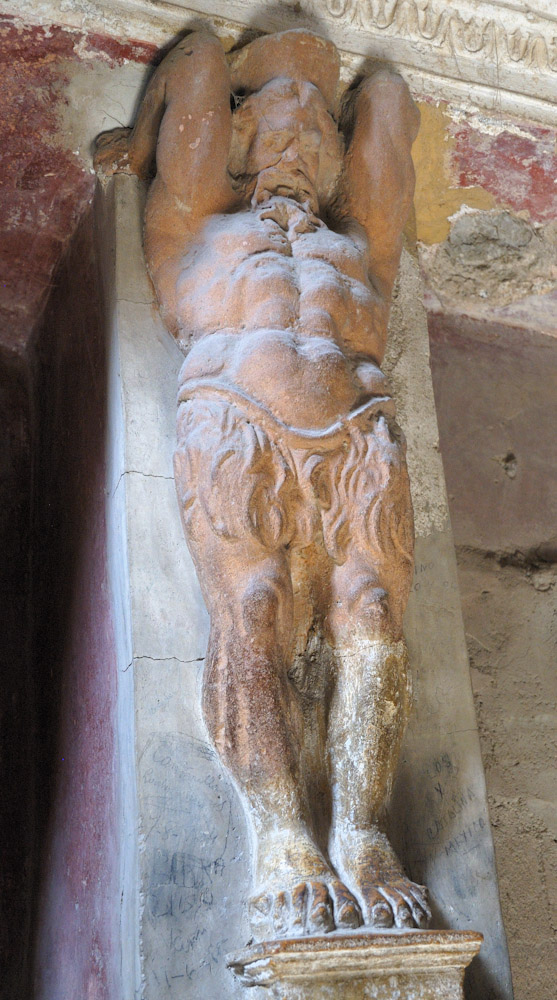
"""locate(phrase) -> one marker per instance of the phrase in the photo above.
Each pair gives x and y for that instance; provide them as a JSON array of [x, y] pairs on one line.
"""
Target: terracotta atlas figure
[[272, 237]]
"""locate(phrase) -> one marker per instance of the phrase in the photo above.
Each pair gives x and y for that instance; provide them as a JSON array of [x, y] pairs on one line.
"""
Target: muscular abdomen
[[305, 381], [275, 317]]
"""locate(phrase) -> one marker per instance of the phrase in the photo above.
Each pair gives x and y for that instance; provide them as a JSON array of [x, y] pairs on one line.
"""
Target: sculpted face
[[286, 143]]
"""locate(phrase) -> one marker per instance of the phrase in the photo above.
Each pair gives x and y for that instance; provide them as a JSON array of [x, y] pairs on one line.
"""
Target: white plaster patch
[[488, 124], [98, 96]]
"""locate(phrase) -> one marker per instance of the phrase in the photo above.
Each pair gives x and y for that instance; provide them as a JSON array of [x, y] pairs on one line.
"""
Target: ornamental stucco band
[[273, 234], [493, 55]]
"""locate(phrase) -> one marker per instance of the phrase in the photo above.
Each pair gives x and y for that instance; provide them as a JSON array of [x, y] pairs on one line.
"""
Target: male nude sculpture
[[273, 241]]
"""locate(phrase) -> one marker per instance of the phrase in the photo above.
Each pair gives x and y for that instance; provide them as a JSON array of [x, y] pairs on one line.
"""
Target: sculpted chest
[[247, 271]]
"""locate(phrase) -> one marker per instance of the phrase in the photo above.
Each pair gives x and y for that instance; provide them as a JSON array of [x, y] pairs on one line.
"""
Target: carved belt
[[296, 437]]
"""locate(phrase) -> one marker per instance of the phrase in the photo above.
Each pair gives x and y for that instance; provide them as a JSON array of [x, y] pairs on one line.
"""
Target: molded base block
[[390, 965]]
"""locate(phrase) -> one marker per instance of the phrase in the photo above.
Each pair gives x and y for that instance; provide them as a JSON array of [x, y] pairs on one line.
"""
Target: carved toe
[[320, 910], [418, 901], [380, 913], [346, 910], [299, 910], [401, 911], [281, 916]]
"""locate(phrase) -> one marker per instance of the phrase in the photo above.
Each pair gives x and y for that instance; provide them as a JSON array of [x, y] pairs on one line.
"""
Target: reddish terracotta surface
[[518, 170], [290, 470]]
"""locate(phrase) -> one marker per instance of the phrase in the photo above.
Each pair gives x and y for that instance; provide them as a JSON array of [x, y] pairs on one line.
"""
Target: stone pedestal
[[392, 965]]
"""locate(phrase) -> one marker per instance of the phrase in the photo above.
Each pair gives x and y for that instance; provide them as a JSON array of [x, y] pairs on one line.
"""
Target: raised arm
[[185, 117], [381, 122]]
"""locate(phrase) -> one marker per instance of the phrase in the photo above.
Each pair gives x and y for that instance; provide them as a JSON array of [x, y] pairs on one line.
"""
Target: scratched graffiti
[[443, 840], [194, 869]]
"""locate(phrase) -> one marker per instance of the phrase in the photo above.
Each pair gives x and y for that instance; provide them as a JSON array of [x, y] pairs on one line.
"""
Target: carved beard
[[294, 219], [282, 182]]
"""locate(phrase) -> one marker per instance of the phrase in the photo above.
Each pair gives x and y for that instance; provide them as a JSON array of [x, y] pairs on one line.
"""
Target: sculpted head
[[285, 142]]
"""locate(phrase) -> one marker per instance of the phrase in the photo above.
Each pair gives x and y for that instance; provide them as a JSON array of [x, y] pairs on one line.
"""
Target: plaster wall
[[495, 387], [511, 630]]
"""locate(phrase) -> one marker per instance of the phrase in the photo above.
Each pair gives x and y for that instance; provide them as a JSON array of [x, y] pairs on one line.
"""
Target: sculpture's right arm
[[381, 121], [185, 114]]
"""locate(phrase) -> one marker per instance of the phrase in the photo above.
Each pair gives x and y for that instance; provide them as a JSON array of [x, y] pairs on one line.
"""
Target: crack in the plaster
[[138, 472], [163, 659], [148, 475], [114, 118], [137, 302]]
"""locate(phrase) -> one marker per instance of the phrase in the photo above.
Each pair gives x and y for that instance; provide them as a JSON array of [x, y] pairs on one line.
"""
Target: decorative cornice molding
[[497, 54], [475, 31]]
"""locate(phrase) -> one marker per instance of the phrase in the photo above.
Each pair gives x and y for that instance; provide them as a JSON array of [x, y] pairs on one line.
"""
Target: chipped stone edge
[[355, 955]]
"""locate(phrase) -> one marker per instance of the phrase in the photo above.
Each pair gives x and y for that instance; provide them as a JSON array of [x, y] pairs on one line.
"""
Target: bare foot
[[370, 868], [298, 893]]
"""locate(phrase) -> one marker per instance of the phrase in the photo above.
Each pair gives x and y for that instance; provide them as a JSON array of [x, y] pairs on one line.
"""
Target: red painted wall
[[58, 762], [17, 802], [44, 187], [518, 166], [77, 942]]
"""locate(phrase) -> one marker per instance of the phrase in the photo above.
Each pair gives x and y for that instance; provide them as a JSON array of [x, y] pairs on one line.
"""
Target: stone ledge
[[408, 965], [487, 53]]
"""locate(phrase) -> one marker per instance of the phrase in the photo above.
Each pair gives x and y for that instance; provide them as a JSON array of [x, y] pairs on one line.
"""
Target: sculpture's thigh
[[234, 494], [230, 509], [372, 546]]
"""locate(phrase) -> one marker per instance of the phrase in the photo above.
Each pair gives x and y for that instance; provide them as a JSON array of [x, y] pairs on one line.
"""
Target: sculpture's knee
[[370, 608], [263, 605], [364, 606]]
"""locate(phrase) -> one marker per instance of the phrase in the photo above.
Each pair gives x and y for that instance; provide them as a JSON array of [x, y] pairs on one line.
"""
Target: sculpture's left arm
[[381, 122], [185, 117]]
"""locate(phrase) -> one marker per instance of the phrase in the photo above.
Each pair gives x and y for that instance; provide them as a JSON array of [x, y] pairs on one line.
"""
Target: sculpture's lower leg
[[368, 717], [233, 488], [252, 715]]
